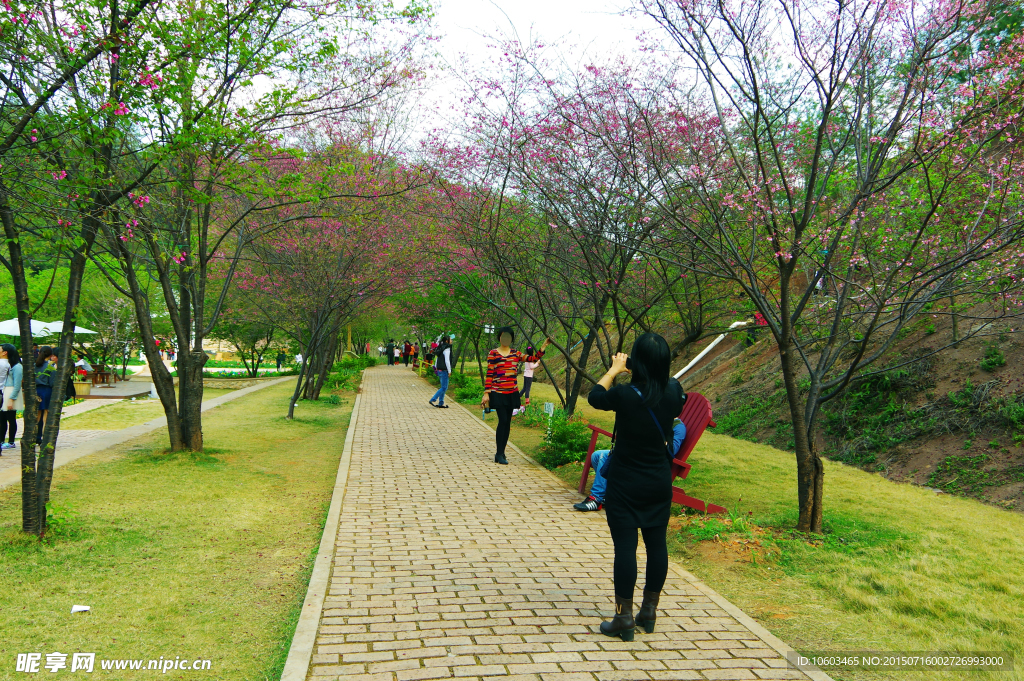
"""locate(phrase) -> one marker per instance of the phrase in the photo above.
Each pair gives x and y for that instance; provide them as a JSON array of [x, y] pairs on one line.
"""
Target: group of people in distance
[[633, 480], [400, 353]]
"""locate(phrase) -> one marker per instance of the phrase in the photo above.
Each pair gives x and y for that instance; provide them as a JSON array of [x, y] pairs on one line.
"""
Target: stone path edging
[[12, 476], [301, 651], [88, 405], [746, 620]]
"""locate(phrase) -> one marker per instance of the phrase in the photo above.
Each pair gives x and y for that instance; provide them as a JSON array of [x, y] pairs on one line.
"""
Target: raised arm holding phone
[[501, 386]]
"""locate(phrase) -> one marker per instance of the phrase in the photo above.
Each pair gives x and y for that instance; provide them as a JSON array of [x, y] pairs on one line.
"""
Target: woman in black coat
[[639, 494]]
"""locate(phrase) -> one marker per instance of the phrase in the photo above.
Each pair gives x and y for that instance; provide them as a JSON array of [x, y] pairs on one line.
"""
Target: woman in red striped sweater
[[501, 387]]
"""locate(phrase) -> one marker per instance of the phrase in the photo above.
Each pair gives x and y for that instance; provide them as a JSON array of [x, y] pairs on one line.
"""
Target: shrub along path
[[448, 565]]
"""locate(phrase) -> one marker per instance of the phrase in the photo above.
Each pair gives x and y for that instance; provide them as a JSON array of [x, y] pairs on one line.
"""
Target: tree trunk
[[303, 373], [47, 452], [554, 383], [459, 354], [480, 365], [573, 395], [28, 384], [810, 471], [162, 380], [319, 366], [326, 367], [190, 398]]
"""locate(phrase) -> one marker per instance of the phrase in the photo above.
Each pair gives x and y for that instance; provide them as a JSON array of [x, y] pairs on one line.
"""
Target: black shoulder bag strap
[[661, 431]]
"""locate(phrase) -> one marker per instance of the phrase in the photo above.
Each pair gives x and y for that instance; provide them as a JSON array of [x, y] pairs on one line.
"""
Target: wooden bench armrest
[[590, 451]]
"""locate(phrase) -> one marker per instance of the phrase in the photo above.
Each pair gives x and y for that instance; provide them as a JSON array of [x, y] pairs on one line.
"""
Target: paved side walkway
[[449, 565], [66, 438], [73, 444]]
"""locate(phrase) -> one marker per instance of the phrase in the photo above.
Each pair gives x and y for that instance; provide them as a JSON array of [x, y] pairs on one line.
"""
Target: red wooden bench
[[696, 415]]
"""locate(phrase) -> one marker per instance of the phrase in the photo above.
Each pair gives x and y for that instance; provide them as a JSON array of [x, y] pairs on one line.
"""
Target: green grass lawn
[[126, 413], [899, 567], [199, 556]]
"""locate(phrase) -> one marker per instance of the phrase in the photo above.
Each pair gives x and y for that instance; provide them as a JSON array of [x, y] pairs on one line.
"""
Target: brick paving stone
[[447, 565], [67, 438]]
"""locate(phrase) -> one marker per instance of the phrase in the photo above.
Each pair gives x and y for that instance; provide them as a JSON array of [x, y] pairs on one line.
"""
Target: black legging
[[624, 570], [504, 424], [527, 382], [8, 425]]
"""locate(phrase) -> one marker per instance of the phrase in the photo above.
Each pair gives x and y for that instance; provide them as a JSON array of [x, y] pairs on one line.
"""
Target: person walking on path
[[11, 399], [406, 352], [639, 474], [501, 389], [281, 358], [390, 350], [443, 369]]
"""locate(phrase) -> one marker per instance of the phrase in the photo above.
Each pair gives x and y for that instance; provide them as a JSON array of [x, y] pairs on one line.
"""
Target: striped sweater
[[501, 370]]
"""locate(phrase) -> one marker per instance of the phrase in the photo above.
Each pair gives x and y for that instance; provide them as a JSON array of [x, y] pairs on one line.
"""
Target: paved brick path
[[66, 439], [449, 565]]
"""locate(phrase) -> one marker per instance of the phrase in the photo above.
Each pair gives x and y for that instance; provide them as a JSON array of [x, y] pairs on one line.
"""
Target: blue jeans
[[439, 395], [596, 461]]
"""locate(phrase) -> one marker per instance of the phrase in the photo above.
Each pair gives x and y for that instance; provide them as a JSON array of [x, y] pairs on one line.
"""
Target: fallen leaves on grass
[[725, 540]]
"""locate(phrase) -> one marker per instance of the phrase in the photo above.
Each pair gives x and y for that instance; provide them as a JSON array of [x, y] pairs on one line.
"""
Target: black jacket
[[639, 490], [440, 364]]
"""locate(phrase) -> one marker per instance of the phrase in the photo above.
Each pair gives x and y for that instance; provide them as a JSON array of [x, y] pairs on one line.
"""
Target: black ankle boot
[[648, 611], [622, 624], [500, 458]]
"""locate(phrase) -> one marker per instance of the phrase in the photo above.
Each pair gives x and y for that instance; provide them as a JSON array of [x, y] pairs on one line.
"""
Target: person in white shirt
[[5, 366], [528, 369], [12, 399]]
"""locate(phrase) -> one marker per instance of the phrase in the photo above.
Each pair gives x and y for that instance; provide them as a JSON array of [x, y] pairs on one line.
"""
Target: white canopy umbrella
[[58, 327], [10, 327]]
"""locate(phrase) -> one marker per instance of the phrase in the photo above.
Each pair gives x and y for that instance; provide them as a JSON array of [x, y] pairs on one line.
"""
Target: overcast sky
[[583, 29], [589, 24]]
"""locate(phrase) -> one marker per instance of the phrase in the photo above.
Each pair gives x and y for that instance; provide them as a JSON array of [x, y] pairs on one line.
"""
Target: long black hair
[[650, 362], [44, 355], [13, 358]]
